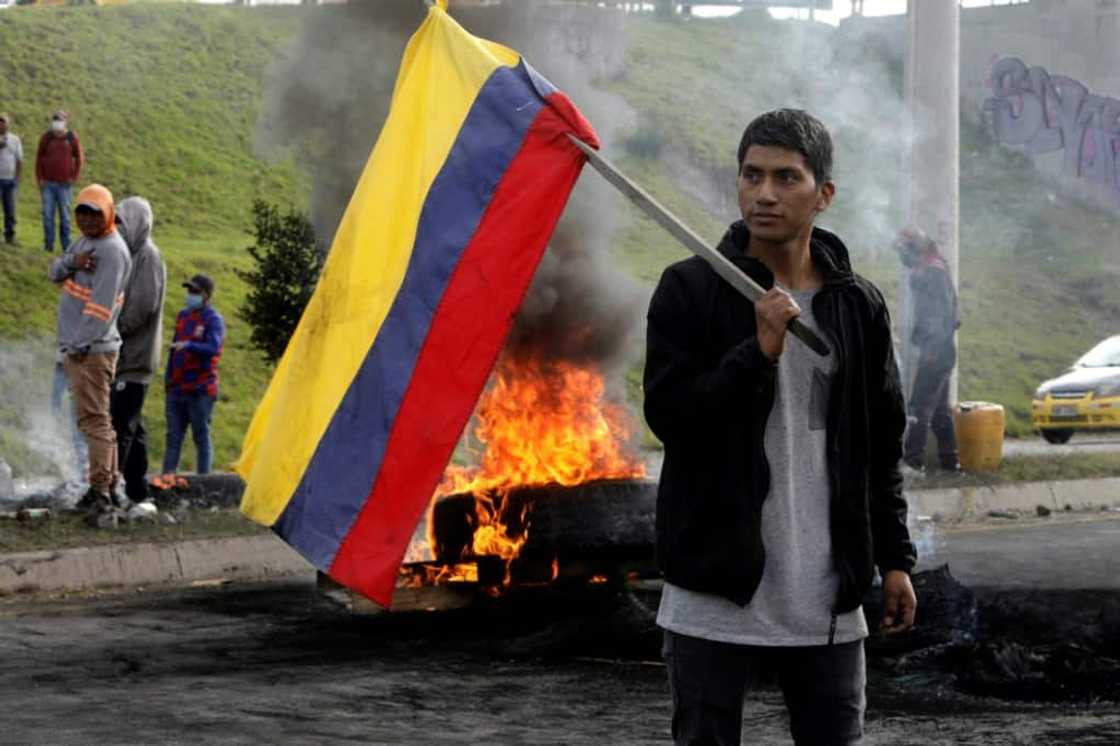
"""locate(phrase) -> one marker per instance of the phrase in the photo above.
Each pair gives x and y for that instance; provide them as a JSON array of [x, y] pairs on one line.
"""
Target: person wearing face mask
[[192, 374], [11, 168], [92, 274], [58, 165], [141, 328]]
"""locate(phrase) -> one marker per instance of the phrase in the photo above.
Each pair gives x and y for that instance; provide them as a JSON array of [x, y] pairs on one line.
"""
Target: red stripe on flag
[[467, 333]]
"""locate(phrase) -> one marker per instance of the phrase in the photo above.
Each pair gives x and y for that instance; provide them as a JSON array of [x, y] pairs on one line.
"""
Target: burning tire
[[596, 520]]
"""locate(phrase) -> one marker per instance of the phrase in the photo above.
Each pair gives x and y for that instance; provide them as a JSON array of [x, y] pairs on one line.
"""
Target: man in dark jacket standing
[[934, 300], [780, 492], [141, 329], [58, 164]]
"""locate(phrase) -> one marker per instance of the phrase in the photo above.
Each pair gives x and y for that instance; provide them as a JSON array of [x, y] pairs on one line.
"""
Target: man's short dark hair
[[796, 130]]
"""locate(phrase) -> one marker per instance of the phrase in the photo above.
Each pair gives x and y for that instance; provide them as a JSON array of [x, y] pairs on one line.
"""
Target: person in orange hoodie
[[92, 275]]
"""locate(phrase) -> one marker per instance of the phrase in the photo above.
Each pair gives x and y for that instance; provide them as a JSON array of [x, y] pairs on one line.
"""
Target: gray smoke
[[853, 87], [329, 95], [35, 440]]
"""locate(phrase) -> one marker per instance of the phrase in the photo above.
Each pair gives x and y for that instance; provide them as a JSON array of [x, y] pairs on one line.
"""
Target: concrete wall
[[1069, 47], [1076, 38]]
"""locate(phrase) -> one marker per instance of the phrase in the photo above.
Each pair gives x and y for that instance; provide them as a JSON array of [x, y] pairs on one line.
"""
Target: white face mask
[[58, 126]]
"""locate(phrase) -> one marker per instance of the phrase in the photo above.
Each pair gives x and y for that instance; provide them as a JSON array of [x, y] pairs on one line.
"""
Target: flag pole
[[670, 222]]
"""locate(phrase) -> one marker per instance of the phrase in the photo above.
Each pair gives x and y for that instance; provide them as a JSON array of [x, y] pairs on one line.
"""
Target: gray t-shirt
[[793, 603], [10, 155]]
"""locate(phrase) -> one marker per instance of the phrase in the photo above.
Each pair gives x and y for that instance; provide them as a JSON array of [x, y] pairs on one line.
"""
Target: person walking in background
[[92, 273], [58, 165], [192, 374], [11, 169], [141, 329], [936, 319]]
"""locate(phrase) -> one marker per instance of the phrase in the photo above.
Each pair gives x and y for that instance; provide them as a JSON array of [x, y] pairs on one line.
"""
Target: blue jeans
[[56, 198], [182, 410], [8, 189]]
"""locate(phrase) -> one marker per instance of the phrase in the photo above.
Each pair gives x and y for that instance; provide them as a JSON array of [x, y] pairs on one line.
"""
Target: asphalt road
[[280, 664], [1080, 443], [255, 665], [1076, 552]]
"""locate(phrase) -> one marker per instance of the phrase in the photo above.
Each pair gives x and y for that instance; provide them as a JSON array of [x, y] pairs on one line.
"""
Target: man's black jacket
[[708, 393]]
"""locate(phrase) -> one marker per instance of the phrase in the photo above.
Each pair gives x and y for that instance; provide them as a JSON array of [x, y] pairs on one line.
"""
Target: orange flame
[[546, 422], [541, 422], [423, 575], [167, 481]]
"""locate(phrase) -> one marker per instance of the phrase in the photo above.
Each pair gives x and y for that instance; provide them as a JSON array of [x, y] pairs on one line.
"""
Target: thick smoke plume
[[36, 440], [329, 96]]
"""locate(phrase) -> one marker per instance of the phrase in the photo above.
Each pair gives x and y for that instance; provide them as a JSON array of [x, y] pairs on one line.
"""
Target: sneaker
[[48, 249], [99, 504], [120, 499], [953, 470], [912, 472], [143, 511], [87, 501]]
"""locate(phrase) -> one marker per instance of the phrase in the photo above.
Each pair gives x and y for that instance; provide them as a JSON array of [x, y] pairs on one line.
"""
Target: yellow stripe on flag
[[441, 74]]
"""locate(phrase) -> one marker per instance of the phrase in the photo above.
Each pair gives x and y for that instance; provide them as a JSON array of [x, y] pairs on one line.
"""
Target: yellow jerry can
[[979, 427]]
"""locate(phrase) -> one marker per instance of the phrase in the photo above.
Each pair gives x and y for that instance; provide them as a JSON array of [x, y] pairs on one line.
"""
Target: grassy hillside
[[165, 99], [1038, 263]]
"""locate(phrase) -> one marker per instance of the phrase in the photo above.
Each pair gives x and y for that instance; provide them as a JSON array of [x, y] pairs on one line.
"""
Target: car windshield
[[1107, 353]]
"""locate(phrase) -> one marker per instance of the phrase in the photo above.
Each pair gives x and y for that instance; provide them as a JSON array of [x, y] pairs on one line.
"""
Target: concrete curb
[[266, 556], [963, 502], [90, 568]]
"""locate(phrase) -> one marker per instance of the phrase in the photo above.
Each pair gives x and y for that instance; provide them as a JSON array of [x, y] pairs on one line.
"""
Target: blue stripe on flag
[[341, 474]]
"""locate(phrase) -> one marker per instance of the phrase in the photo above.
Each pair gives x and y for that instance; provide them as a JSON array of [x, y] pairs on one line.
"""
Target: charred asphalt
[[281, 663]]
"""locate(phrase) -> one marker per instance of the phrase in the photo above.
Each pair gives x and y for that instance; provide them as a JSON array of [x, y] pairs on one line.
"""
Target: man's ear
[[825, 195]]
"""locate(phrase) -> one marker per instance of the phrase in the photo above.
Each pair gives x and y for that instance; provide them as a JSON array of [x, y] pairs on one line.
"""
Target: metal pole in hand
[[721, 264]]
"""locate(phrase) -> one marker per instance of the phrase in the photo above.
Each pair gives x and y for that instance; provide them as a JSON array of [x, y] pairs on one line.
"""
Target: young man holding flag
[[780, 492]]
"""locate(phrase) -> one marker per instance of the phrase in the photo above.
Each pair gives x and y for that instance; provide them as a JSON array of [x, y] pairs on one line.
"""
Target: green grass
[[1055, 468], [1037, 262], [165, 100], [65, 530]]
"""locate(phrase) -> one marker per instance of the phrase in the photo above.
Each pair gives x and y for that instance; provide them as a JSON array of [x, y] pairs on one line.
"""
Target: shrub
[[287, 261]]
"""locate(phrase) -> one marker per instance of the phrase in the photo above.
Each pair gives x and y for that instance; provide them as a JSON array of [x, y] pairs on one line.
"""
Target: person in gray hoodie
[[92, 274], [141, 329]]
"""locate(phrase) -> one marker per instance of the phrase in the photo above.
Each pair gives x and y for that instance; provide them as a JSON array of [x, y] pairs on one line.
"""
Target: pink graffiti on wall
[[1044, 113]]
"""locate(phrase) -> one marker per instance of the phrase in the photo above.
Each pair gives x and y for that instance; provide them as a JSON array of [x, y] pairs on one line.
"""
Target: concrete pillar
[[932, 85]]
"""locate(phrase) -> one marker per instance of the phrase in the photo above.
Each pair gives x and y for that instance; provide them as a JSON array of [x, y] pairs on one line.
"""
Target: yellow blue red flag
[[433, 256]]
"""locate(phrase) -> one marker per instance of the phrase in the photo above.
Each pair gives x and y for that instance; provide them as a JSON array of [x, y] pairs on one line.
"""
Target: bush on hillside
[[286, 264]]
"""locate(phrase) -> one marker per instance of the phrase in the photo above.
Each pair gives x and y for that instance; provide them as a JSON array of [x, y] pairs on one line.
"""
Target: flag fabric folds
[[432, 258]]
